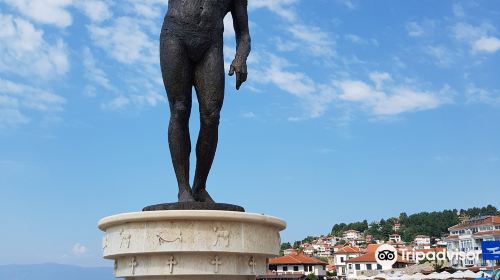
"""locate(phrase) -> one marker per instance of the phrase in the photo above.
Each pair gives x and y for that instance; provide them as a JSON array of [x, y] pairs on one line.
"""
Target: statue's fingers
[[231, 70], [238, 80], [244, 77]]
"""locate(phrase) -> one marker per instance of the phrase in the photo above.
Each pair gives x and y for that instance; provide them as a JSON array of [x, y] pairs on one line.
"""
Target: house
[[308, 249], [341, 256], [395, 238], [422, 242], [396, 227], [289, 251], [324, 251], [298, 264], [357, 267], [369, 239], [467, 237], [352, 235]]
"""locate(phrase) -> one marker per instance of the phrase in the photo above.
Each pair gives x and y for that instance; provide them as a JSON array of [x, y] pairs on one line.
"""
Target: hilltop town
[[348, 252]]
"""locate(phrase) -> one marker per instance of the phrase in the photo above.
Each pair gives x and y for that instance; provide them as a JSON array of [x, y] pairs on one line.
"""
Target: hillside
[[434, 224]]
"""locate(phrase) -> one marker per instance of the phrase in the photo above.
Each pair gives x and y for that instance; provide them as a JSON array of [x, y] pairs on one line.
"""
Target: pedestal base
[[194, 206], [191, 244]]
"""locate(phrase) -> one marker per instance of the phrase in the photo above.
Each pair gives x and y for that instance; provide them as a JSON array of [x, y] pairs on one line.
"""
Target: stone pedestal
[[190, 244]]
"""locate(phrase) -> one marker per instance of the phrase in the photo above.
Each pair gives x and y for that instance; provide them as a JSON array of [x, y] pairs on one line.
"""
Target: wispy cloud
[[17, 100], [283, 8], [45, 11], [78, 250], [389, 100], [25, 52]]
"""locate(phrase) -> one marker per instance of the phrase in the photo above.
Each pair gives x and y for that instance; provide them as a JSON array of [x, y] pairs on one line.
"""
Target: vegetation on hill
[[433, 224]]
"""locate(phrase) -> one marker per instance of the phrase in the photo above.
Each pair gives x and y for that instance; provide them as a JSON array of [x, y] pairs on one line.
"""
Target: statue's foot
[[203, 196], [185, 196]]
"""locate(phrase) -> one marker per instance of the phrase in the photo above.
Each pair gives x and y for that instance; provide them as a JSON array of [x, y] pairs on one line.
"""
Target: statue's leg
[[177, 73], [209, 85]]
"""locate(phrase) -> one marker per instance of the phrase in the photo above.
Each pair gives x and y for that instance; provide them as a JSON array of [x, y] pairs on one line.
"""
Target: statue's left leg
[[209, 85]]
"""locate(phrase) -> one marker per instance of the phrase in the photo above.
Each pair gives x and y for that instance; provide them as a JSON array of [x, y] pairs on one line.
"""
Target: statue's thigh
[[209, 79], [176, 68]]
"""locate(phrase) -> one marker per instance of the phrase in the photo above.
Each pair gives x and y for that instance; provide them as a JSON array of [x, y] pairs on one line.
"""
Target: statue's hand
[[239, 66]]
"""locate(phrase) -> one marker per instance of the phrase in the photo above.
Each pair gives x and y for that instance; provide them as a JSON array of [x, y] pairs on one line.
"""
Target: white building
[[468, 235], [351, 234], [358, 266], [341, 256], [422, 242], [396, 238], [298, 264], [289, 251]]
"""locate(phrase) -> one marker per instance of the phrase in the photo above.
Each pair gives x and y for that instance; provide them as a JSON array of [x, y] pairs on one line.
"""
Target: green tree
[[311, 277]]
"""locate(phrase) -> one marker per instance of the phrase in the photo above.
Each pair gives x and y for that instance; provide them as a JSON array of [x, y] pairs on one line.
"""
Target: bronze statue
[[191, 54]]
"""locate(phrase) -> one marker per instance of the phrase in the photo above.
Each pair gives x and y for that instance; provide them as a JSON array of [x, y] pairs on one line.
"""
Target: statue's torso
[[202, 14]]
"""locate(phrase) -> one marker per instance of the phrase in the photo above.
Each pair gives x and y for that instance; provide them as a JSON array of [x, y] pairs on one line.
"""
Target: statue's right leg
[[177, 77]]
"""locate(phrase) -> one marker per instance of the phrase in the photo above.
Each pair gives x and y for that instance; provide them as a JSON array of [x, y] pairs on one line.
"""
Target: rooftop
[[299, 258]]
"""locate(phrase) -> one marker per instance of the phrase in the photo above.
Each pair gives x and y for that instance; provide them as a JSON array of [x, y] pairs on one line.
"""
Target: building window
[[369, 266], [379, 266], [357, 266], [350, 266], [296, 268], [341, 259], [285, 268]]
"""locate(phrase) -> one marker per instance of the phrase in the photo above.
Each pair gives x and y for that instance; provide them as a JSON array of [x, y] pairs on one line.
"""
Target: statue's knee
[[210, 118], [180, 113]]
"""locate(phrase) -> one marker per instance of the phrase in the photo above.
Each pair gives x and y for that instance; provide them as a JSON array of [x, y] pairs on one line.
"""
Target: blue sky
[[353, 110]]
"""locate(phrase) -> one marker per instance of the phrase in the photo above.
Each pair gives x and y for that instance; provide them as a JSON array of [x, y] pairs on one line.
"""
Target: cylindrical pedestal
[[191, 244]]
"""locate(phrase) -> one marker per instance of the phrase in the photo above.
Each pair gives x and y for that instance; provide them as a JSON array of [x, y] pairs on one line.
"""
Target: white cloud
[[16, 100], [92, 72], [458, 10], [389, 100], [469, 33], [95, 10], [379, 78], [355, 39], [150, 9], [348, 3], [443, 56], [280, 7], [25, 51], [415, 29], [314, 98], [318, 42], [228, 26], [474, 94], [487, 44], [477, 37], [249, 115], [79, 250], [126, 41], [117, 103], [51, 12]]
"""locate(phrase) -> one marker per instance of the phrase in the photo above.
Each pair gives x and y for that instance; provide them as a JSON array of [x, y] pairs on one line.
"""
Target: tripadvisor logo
[[386, 256]]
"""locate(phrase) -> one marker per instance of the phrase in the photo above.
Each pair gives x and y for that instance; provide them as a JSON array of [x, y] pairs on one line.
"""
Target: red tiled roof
[[469, 223], [372, 247], [296, 259], [348, 249]]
